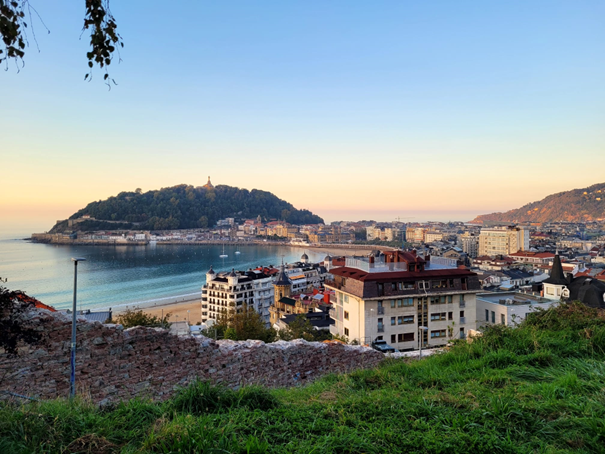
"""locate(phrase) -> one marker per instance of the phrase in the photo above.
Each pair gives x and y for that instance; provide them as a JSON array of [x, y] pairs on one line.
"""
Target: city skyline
[[441, 111]]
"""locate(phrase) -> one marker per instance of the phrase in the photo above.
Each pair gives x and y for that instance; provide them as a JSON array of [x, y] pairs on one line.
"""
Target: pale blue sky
[[352, 109]]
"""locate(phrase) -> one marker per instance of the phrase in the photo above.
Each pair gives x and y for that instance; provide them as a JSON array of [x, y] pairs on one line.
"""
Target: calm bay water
[[124, 275]]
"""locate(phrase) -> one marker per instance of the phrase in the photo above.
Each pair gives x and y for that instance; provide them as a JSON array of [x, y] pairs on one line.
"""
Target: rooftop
[[512, 298]]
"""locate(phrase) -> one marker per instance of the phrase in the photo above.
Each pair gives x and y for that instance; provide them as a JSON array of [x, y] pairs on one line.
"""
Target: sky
[[378, 110]]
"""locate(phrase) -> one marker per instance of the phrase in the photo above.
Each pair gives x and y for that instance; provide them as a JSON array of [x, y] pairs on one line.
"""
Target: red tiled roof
[[38, 304]]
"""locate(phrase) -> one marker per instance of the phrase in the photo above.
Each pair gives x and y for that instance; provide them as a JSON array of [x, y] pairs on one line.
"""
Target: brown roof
[[363, 276]]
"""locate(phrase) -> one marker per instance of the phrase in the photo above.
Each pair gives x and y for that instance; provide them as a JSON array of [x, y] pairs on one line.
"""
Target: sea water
[[114, 276]]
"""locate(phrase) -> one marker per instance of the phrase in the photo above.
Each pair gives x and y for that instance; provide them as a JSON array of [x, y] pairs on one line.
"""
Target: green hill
[[577, 205], [185, 207], [533, 389]]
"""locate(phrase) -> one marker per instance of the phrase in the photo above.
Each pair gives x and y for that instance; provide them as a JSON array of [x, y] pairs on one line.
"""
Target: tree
[[241, 325], [133, 317], [13, 304], [98, 21], [301, 328]]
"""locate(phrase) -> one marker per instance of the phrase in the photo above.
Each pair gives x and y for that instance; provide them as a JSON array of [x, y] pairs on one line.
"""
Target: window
[[379, 338], [408, 337], [393, 337], [442, 299], [438, 333], [461, 299], [502, 321], [438, 316], [392, 304], [408, 302], [434, 300], [346, 298], [380, 289], [392, 321], [449, 299], [393, 286], [408, 319], [486, 315], [400, 286], [493, 317], [550, 291], [400, 338], [346, 315], [451, 283], [400, 320], [450, 315], [346, 331]]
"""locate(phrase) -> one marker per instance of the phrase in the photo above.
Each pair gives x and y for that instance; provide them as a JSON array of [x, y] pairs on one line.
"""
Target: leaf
[[90, 64], [86, 76], [105, 76]]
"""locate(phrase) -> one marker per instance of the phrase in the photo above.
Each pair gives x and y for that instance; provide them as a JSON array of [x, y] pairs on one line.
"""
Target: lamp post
[[421, 329], [72, 380]]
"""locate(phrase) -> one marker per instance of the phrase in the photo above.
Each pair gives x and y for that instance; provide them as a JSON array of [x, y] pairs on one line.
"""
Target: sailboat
[[223, 255], [237, 252]]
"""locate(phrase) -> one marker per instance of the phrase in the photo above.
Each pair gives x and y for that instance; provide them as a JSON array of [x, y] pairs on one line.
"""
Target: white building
[[503, 240], [225, 291], [507, 308], [394, 296]]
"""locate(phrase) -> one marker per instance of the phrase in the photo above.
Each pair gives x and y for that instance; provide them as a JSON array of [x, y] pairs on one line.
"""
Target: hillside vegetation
[[537, 388], [186, 207], [586, 204]]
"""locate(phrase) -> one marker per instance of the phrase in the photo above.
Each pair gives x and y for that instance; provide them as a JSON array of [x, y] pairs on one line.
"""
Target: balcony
[[462, 303], [380, 310]]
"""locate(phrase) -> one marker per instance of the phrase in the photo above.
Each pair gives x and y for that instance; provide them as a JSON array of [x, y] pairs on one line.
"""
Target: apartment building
[[503, 240], [470, 244], [231, 290], [415, 234], [384, 233], [403, 299]]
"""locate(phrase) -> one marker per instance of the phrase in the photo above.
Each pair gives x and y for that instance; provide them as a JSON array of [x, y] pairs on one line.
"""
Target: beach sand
[[191, 311], [177, 306]]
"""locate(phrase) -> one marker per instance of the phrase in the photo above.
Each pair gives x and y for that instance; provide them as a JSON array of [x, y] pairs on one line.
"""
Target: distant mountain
[[586, 204], [184, 207]]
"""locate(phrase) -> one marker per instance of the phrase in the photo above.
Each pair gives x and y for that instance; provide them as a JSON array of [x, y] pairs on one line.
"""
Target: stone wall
[[113, 363]]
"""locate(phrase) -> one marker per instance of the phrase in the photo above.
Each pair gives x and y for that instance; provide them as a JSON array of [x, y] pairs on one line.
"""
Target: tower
[[555, 286], [304, 258], [210, 275], [208, 185], [283, 286]]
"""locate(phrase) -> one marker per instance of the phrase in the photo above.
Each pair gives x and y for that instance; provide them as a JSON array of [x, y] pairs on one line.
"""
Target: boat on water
[[223, 255], [237, 252]]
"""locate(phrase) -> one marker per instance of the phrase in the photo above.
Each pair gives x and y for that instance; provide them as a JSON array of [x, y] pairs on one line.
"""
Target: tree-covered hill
[[577, 205], [186, 207]]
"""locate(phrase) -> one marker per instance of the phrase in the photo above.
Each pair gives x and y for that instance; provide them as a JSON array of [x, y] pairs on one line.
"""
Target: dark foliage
[[187, 207], [13, 304], [98, 21]]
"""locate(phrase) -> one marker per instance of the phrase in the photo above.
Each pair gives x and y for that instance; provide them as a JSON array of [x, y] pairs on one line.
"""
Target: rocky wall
[[113, 363]]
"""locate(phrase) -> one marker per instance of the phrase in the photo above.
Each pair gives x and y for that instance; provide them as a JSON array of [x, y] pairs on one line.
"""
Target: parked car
[[382, 346]]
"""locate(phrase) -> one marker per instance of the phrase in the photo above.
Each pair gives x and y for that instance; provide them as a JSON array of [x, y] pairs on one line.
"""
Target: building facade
[[396, 296], [230, 291], [503, 240]]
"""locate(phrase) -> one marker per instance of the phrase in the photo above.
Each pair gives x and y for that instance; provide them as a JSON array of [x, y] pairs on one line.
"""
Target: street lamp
[[72, 380], [421, 329]]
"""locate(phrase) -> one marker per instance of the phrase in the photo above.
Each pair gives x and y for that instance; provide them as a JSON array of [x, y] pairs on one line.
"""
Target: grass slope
[[537, 388]]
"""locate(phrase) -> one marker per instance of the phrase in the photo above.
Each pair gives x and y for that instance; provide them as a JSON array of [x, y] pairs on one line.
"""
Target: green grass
[[538, 388]]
